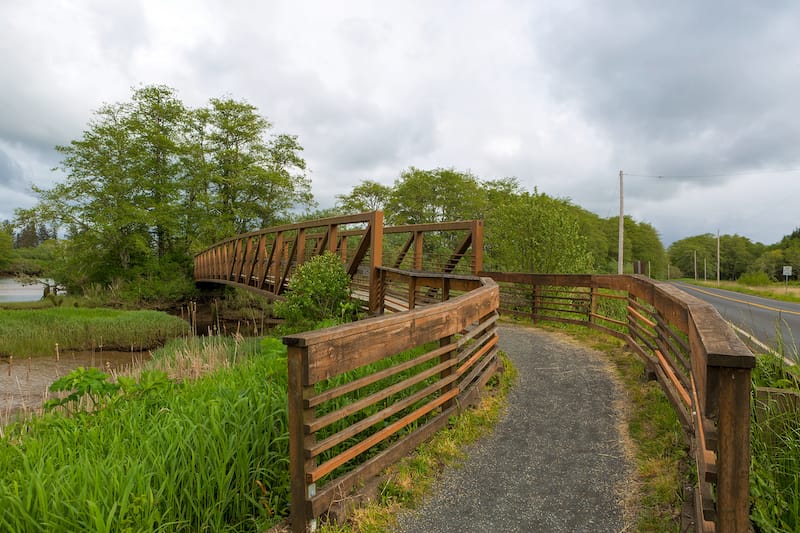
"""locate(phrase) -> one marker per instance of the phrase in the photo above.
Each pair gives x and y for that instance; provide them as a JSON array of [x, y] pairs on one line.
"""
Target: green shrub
[[756, 279], [318, 290]]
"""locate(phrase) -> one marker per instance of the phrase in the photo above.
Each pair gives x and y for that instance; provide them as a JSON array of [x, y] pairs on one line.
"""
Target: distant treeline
[[737, 256]]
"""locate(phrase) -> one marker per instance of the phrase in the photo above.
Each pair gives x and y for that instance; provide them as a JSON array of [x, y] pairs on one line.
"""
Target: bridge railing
[[263, 261], [364, 394], [702, 365]]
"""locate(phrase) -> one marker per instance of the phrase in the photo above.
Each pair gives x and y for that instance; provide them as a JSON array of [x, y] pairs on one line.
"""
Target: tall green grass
[[33, 333], [775, 449], [204, 455]]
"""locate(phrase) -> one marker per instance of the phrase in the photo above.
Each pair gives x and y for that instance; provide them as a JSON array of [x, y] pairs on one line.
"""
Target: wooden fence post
[[376, 287], [477, 247], [733, 452], [418, 249], [300, 490]]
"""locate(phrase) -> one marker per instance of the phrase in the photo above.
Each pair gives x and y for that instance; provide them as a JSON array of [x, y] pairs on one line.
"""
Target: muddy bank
[[24, 383]]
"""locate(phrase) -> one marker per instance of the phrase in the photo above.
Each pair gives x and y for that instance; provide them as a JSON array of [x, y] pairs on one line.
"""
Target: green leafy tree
[[439, 195], [151, 181], [682, 254], [737, 255], [647, 248], [786, 252], [367, 196], [593, 228], [537, 233], [771, 263], [254, 181]]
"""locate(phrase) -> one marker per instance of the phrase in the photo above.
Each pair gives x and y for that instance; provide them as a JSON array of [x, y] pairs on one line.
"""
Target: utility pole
[[621, 226], [717, 257], [695, 265], [704, 269]]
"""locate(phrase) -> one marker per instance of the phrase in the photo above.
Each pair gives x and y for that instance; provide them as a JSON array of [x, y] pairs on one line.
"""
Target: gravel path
[[555, 461]]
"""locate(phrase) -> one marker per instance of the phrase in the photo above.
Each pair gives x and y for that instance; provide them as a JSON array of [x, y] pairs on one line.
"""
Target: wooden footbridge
[[364, 394]]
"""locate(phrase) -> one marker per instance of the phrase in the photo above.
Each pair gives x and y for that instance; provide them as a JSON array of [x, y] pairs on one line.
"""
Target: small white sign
[[787, 271]]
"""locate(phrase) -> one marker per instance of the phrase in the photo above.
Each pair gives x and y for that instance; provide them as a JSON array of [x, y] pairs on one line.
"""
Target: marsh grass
[[34, 333], [206, 454]]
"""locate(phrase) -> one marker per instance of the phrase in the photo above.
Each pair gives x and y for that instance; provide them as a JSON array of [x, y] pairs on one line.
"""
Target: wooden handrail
[[407, 401], [715, 394]]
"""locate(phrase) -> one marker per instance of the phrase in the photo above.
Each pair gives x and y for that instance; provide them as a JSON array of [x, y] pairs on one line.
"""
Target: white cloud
[[561, 94]]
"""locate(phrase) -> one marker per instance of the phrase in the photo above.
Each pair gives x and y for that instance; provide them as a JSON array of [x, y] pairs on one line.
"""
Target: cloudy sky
[[697, 102]]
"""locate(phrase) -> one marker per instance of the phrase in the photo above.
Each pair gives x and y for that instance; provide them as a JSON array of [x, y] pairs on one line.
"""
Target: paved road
[[555, 462], [760, 317]]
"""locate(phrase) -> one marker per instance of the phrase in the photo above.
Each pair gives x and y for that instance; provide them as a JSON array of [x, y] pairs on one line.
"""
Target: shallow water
[[13, 291], [24, 382]]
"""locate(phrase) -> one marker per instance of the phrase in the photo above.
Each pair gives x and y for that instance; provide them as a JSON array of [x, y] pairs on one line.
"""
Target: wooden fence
[[700, 362], [365, 394]]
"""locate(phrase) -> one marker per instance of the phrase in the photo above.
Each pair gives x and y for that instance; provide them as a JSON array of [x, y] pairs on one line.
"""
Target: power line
[[706, 176]]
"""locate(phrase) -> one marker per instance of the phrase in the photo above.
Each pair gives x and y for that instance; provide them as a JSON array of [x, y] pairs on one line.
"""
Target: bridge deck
[[555, 462]]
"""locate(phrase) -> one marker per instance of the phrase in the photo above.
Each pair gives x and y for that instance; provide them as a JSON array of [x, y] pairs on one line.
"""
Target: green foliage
[[207, 455], [368, 195], [737, 255], [775, 462], [536, 233], [641, 243], [784, 253], [775, 449], [6, 245], [682, 255], [754, 278], [88, 382], [151, 181], [319, 289], [439, 195], [598, 241], [555, 235]]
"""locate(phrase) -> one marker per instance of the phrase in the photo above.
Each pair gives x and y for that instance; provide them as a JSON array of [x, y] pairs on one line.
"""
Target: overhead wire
[[706, 176]]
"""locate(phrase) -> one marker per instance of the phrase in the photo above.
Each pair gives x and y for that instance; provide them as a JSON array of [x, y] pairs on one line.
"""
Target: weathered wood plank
[[733, 461], [391, 410], [350, 346], [369, 379], [341, 485], [332, 464], [358, 405]]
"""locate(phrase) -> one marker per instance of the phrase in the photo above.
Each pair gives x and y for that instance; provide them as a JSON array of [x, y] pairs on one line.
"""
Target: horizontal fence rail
[[703, 367], [365, 394]]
